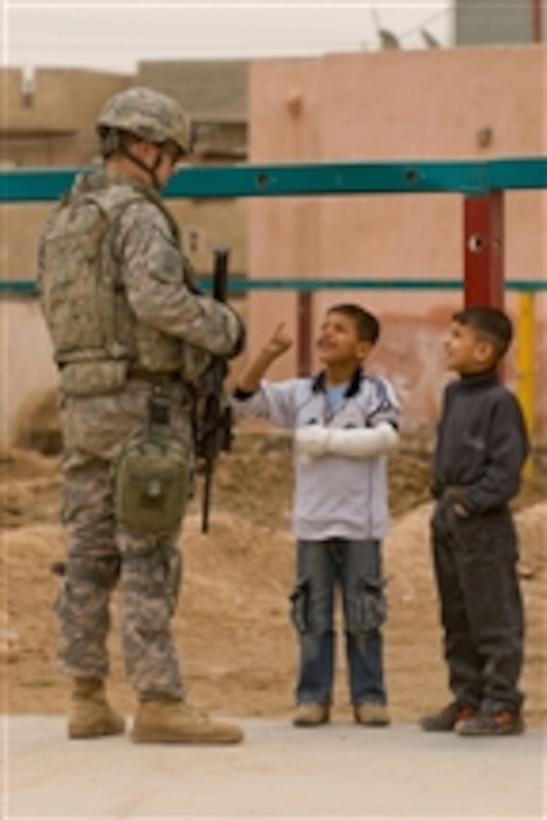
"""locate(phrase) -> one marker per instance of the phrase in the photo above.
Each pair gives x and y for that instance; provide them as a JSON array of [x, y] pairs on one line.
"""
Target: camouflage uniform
[[121, 310]]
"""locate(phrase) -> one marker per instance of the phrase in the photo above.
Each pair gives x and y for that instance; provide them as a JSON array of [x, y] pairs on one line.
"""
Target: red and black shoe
[[447, 718], [491, 723]]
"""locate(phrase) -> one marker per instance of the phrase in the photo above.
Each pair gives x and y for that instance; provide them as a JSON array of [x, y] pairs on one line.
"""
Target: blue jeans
[[354, 567]]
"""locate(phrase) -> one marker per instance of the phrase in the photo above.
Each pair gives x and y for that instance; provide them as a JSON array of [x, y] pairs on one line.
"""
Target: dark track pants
[[481, 605]]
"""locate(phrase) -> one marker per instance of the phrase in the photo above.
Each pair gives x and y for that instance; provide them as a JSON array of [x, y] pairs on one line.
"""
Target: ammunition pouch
[[153, 476]]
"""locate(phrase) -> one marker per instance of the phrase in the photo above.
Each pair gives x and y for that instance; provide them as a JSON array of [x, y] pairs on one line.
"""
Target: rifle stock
[[220, 273]]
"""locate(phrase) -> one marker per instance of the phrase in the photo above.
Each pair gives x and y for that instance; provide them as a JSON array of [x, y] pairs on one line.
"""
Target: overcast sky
[[115, 34]]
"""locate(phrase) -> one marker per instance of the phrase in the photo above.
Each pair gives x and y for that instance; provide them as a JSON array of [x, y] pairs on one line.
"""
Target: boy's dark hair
[[368, 326], [489, 324]]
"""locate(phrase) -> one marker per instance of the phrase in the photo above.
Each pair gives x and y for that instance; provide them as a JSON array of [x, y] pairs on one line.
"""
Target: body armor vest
[[95, 334]]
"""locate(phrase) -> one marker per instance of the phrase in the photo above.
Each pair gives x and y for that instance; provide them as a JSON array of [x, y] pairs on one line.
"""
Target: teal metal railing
[[469, 177], [240, 285]]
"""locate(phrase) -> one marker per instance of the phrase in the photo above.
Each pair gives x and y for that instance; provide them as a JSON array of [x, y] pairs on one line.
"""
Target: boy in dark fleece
[[481, 448]]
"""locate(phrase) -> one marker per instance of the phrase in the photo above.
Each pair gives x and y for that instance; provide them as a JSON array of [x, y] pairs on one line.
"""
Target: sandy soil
[[232, 624]]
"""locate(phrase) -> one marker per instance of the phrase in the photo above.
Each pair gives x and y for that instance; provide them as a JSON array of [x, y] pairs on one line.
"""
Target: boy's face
[[466, 352], [338, 342]]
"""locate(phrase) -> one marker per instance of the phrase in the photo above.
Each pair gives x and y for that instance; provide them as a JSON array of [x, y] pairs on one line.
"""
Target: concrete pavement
[[341, 770]]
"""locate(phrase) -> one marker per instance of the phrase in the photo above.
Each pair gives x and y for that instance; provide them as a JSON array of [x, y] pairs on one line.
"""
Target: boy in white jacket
[[345, 423]]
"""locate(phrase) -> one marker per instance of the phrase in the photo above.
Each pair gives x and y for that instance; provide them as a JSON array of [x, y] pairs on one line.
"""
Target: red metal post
[[537, 21], [484, 249], [304, 313]]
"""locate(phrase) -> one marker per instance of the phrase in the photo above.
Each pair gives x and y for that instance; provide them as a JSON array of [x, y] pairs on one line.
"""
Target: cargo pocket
[[300, 606], [367, 607]]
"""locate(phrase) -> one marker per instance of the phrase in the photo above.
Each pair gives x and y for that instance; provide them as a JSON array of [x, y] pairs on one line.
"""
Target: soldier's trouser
[[99, 552], [481, 606], [354, 567]]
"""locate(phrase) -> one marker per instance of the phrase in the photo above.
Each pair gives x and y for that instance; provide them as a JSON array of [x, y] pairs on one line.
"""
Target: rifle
[[215, 433]]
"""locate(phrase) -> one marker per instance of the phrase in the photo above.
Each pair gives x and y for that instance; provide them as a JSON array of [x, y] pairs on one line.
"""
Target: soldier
[[127, 326]]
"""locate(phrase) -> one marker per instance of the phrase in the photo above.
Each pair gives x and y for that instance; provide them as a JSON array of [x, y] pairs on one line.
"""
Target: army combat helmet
[[148, 115]]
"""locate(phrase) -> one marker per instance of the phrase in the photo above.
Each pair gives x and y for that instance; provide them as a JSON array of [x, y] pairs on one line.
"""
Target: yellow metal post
[[525, 363]]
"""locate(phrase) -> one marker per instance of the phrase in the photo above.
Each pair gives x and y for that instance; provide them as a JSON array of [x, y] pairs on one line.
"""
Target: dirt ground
[[232, 624]]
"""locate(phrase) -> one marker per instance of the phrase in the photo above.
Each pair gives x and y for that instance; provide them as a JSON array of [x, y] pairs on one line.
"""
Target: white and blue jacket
[[335, 497]]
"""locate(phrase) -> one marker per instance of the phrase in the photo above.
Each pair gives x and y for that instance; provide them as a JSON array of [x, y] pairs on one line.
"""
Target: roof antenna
[[388, 40], [429, 40], [28, 86]]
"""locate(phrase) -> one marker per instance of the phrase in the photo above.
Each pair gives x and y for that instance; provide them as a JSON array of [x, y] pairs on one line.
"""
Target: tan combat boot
[[311, 714], [371, 714], [90, 713], [164, 720]]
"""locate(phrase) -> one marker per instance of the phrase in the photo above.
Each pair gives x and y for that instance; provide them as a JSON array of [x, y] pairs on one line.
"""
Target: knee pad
[[100, 571]]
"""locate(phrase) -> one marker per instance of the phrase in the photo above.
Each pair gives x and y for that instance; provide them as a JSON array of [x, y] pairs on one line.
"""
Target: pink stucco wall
[[394, 105]]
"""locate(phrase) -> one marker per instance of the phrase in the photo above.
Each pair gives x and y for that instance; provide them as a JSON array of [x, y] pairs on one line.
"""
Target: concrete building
[[215, 92], [498, 21], [435, 104], [393, 105], [50, 122]]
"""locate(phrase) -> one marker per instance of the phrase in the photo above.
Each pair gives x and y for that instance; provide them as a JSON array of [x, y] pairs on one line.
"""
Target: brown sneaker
[[311, 714], [370, 713], [447, 718], [491, 723], [90, 713], [164, 720]]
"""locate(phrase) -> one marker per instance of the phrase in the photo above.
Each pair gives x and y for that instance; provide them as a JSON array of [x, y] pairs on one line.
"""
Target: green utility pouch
[[153, 475]]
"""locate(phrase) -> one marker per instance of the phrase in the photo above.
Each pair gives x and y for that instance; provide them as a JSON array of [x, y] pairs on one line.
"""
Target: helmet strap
[[151, 170]]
